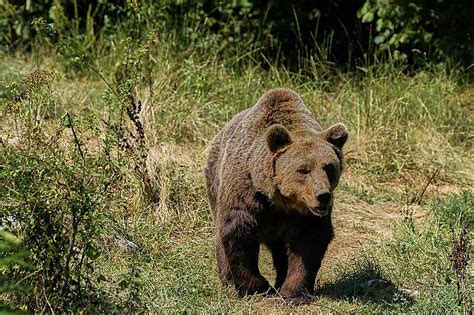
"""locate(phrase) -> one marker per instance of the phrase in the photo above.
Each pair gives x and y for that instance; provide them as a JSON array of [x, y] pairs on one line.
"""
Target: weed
[[456, 210], [459, 259]]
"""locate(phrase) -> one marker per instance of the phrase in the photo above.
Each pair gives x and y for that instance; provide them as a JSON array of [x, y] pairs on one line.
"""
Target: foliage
[[71, 17], [423, 30], [457, 210], [53, 190], [60, 171], [327, 31], [281, 30], [12, 259]]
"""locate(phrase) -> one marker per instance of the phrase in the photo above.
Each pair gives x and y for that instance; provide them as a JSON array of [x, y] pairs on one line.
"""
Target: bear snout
[[324, 198]]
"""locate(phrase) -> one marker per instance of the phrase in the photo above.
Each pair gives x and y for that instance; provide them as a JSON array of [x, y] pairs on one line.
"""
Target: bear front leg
[[280, 261], [304, 260], [242, 249], [222, 264]]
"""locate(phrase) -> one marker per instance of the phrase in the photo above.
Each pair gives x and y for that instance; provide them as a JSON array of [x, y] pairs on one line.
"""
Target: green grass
[[456, 210], [389, 256], [410, 272]]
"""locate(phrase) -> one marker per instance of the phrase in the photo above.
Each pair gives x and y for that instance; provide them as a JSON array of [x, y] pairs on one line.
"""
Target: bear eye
[[304, 170], [330, 169]]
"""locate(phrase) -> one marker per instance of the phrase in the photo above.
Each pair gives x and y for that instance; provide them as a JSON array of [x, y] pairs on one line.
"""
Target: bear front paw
[[254, 286], [296, 296]]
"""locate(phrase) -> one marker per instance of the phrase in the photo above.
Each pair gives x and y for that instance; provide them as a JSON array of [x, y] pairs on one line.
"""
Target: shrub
[[436, 30], [54, 188], [13, 258]]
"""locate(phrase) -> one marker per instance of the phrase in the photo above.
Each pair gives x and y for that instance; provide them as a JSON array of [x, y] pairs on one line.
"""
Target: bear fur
[[270, 176]]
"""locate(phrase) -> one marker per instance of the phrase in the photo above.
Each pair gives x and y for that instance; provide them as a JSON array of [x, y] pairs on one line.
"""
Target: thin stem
[[76, 140], [92, 68]]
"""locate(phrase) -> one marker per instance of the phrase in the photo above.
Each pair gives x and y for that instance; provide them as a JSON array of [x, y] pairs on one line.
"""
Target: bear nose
[[323, 196]]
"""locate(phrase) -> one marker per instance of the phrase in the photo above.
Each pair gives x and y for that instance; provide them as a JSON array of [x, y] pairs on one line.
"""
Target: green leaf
[[379, 39], [10, 238], [368, 17]]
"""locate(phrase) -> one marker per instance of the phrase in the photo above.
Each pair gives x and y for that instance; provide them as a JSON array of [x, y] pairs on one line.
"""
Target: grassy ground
[[393, 238]]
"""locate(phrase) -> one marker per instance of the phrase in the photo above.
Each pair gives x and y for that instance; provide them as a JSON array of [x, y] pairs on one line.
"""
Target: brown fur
[[270, 175]]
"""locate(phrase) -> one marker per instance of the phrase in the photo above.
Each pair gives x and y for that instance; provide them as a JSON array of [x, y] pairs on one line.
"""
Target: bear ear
[[336, 135], [277, 137]]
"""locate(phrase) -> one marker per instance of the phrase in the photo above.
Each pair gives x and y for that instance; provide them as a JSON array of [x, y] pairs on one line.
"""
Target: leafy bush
[[13, 258], [54, 189], [431, 30]]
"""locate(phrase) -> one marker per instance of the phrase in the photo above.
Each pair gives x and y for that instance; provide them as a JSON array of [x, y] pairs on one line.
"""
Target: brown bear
[[270, 178]]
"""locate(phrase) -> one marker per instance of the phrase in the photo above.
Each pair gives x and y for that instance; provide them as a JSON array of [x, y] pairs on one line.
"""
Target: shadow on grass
[[366, 284]]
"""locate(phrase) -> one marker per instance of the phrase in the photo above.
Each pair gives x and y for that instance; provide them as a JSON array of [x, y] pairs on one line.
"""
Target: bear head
[[306, 170]]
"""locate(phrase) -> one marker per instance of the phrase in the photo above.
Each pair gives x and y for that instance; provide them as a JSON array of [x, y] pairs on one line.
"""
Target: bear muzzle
[[324, 198]]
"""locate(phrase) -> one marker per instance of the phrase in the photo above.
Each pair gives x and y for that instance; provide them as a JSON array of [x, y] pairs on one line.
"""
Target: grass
[[389, 255]]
